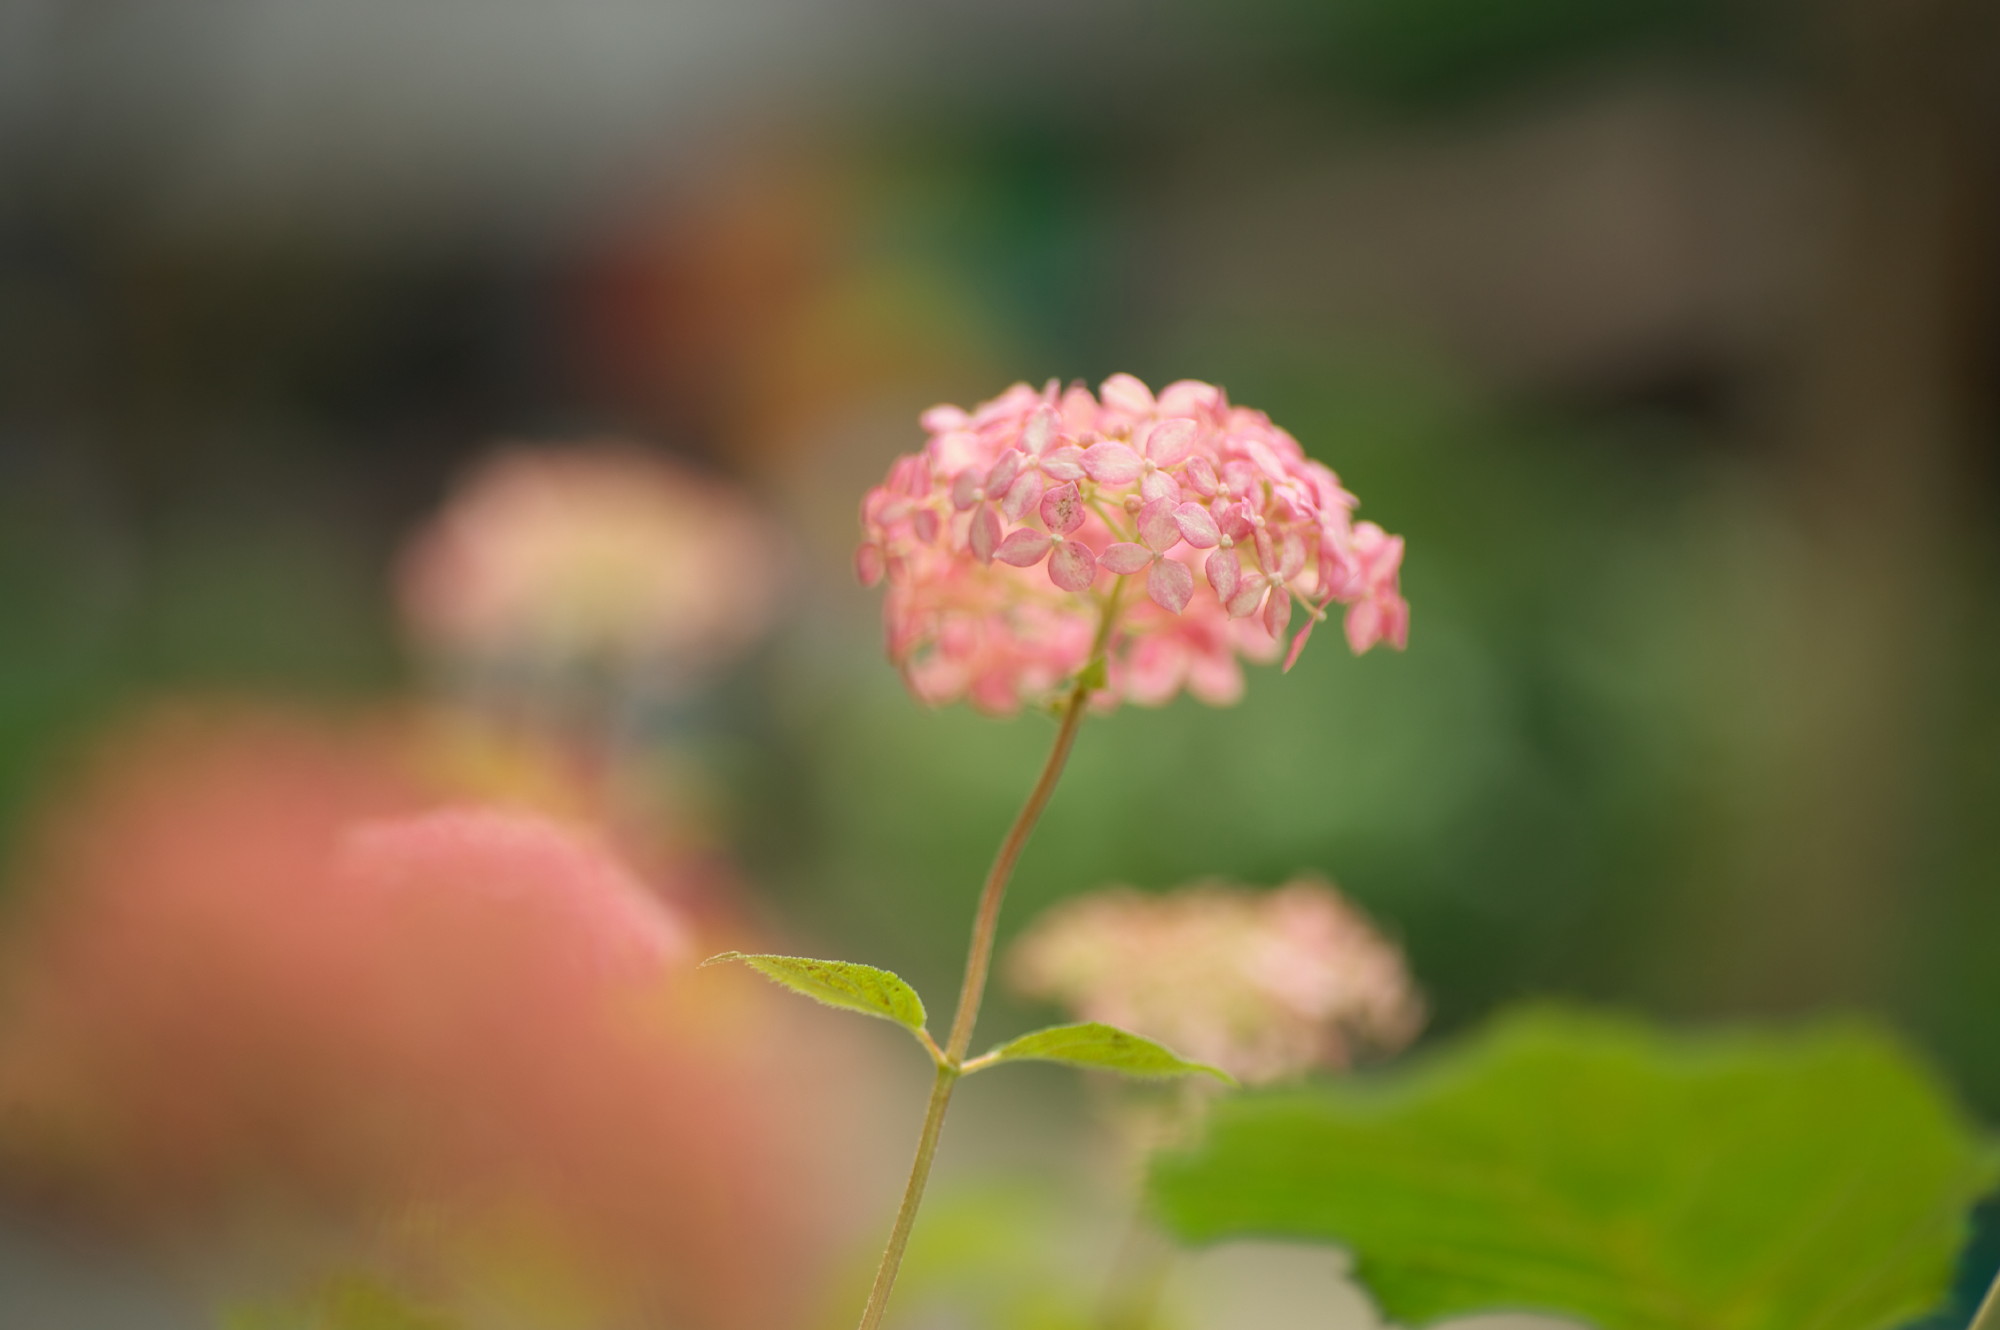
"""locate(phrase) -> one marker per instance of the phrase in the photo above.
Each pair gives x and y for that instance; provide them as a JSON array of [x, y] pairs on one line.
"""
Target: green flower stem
[[979, 959], [913, 1195], [979, 962], [1988, 1315]]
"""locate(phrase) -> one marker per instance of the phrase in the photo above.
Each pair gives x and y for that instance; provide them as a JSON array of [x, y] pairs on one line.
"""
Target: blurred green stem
[[1988, 1315], [979, 960]]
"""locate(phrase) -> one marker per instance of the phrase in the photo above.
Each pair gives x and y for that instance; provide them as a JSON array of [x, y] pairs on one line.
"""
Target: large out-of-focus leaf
[[1594, 1168], [348, 1303]]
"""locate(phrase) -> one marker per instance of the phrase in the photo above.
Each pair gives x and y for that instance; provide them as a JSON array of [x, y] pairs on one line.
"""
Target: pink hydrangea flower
[[1004, 540], [254, 977], [599, 552], [1265, 985]]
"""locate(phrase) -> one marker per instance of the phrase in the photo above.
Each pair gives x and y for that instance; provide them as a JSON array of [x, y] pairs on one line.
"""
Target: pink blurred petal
[[1125, 557], [1170, 440], [1157, 527], [925, 525], [965, 489], [1122, 392], [1003, 472], [868, 563], [1112, 464], [942, 419], [1278, 611], [1291, 556], [1197, 526], [1022, 495], [1225, 571], [1234, 521], [1065, 463], [1299, 644], [1249, 594], [1364, 626], [1039, 430], [1073, 567], [1170, 584], [1186, 397], [1396, 622], [1216, 679], [1024, 547], [1201, 476], [1079, 410], [1062, 509], [985, 533]]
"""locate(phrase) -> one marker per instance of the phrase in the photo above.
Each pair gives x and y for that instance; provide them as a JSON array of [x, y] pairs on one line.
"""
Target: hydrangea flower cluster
[[598, 551], [1264, 984], [1004, 539]]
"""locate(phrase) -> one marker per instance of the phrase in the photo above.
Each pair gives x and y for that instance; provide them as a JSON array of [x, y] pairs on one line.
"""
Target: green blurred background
[[1665, 333]]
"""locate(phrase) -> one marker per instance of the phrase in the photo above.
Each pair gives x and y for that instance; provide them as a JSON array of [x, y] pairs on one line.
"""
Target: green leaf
[[1595, 1168], [1100, 1047], [861, 988]]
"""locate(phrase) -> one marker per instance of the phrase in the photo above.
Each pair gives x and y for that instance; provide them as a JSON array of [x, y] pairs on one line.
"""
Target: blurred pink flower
[[996, 538], [1265, 984], [591, 552], [251, 972]]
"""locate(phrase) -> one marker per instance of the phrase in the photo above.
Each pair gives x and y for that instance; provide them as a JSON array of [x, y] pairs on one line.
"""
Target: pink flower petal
[[1125, 557], [943, 419], [1396, 622], [1122, 392], [985, 534], [1062, 509], [1364, 625], [1039, 430], [1159, 485], [868, 563], [1197, 526], [1022, 495], [964, 489], [1079, 409], [1249, 594], [1201, 476], [1157, 527], [1112, 464], [1170, 440], [1267, 549], [1065, 463], [1234, 520], [1024, 547], [1170, 584], [1278, 612], [1003, 472], [1291, 555], [925, 525], [1299, 645], [1225, 571], [1073, 567], [1187, 396]]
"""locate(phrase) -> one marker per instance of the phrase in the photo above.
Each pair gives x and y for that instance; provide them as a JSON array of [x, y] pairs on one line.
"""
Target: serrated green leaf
[[1100, 1047], [844, 984], [1595, 1168]]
